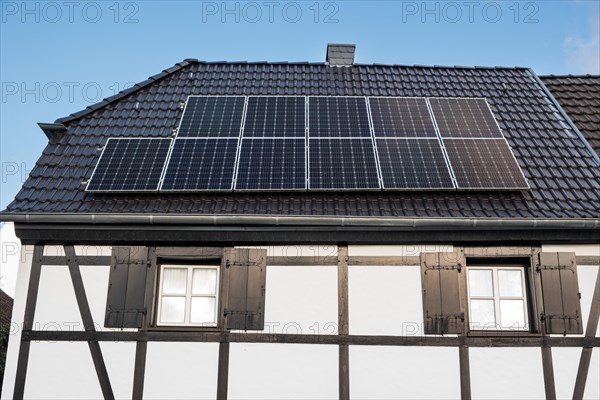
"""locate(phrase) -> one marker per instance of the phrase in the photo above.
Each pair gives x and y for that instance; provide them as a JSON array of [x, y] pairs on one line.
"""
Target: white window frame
[[188, 294], [496, 297]]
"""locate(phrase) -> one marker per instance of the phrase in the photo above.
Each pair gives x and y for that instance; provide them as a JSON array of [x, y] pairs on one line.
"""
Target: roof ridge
[[569, 76], [189, 61], [125, 92]]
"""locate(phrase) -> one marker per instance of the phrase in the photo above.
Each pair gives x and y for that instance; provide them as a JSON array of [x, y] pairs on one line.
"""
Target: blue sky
[[58, 57]]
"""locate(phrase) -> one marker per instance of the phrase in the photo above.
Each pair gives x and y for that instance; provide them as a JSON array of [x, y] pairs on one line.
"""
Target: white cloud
[[583, 54], [10, 252]]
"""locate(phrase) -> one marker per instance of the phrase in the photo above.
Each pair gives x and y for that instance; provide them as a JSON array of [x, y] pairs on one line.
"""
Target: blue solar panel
[[212, 116], [130, 165], [201, 164], [277, 116], [338, 117], [272, 164], [342, 164], [413, 164], [401, 117], [464, 118]]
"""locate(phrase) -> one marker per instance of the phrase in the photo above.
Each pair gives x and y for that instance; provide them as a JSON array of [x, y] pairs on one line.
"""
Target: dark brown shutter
[[246, 271], [561, 313], [441, 297], [126, 287]]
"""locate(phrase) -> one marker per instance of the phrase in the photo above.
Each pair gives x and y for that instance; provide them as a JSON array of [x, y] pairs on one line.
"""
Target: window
[[188, 295], [497, 298], [500, 289]]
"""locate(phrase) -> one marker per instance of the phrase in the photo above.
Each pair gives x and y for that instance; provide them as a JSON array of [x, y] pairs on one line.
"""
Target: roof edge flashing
[[52, 130]]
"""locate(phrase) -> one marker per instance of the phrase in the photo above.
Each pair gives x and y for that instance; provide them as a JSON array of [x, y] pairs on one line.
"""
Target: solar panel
[[272, 164], [413, 164], [401, 117], [276, 116], [128, 165], [212, 116], [464, 118], [354, 143], [484, 164], [342, 164], [201, 164], [338, 117]]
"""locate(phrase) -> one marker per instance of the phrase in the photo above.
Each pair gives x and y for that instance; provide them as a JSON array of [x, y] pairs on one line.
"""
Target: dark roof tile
[[579, 96], [563, 176]]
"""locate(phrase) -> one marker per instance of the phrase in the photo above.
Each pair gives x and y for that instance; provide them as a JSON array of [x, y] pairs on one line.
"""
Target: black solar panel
[[401, 117], [484, 164], [209, 153], [464, 118], [342, 164], [272, 164], [275, 117], [413, 164], [130, 165], [212, 116], [201, 164], [338, 117]]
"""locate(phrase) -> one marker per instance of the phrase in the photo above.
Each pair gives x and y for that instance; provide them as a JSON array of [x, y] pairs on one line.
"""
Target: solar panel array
[[284, 143]]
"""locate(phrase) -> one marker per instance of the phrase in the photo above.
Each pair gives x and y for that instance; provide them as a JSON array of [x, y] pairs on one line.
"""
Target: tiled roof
[[579, 96], [563, 175]]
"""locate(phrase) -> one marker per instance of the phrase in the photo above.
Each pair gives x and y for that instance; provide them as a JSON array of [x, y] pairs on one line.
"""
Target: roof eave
[[275, 221]]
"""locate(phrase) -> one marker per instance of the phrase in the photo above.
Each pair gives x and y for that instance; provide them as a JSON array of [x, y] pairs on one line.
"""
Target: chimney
[[340, 55]]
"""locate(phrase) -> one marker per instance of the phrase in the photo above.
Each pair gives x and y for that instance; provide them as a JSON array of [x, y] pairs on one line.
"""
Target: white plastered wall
[[383, 300]]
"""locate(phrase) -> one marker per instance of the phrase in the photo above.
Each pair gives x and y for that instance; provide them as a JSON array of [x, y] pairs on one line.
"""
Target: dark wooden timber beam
[[28, 317], [395, 261], [88, 322], [363, 340], [343, 322], [586, 352]]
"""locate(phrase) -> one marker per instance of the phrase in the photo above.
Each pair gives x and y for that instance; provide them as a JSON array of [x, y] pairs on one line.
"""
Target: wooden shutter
[[561, 312], [246, 272], [441, 297], [126, 287]]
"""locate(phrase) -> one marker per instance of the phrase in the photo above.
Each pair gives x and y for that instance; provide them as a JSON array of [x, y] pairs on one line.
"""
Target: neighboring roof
[[563, 174], [579, 96], [6, 306]]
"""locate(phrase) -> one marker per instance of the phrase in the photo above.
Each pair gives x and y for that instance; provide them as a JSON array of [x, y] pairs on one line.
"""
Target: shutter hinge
[[234, 312], [545, 317], [457, 267], [242, 264], [556, 267]]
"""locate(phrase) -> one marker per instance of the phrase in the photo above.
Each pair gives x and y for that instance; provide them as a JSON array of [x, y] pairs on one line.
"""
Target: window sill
[[176, 328], [495, 333]]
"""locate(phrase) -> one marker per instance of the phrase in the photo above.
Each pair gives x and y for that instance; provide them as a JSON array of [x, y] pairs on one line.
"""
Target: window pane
[[174, 280], [204, 281], [480, 282], [512, 314], [172, 310], [510, 282], [203, 310], [482, 314]]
